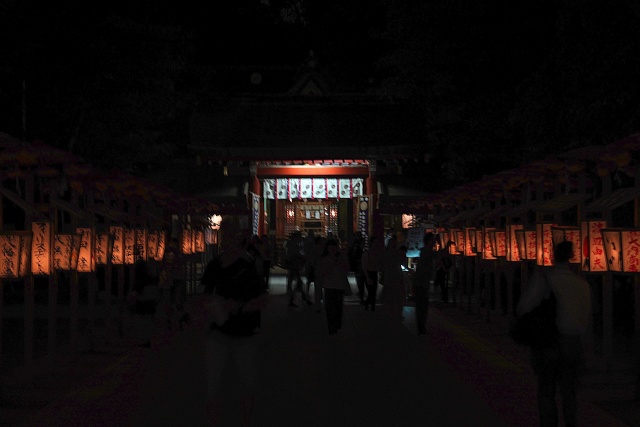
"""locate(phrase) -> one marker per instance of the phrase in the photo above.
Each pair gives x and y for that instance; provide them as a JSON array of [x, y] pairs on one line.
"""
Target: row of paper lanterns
[[41, 252], [596, 247]]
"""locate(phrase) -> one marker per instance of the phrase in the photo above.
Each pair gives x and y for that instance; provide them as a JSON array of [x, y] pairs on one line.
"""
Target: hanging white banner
[[332, 188], [268, 188], [319, 188], [306, 190], [283, 189], [294, 188], [345, 188], [356, 187]]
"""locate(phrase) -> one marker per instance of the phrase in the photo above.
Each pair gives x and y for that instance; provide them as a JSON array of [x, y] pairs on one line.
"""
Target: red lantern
[[544, 243], [187, 241], [527, 244], [129, 246], [512, 242], [487, 247], [469, 241]]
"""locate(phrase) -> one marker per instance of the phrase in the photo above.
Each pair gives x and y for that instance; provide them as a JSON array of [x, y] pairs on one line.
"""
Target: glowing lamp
[[408, 220], [512, 242], [65, 251], [453, 248], [622, 249], [41, 248], [155, 244], [593, 255], [198, 241], [527, 244], [15, 254], [571, 234], [187, 241], [479, 240], [498, 240], [215, 221], [140, 250], [85, 252], [469, 241], [117, 253], [544, 244], [487, 247], [460, 242], [103, 248], [129, 246]]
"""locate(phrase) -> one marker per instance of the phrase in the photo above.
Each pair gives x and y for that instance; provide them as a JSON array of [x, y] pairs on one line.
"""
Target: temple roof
[[307, 119]]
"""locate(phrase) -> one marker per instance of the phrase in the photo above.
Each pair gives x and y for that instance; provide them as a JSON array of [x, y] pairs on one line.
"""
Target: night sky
[[543, 76]]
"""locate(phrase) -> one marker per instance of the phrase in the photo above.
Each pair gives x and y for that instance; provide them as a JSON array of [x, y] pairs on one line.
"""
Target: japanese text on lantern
[[631, 251], [101, 248], [9, 256], [593, 252], [129, 245], [85, 258], [41, 248], [117, 253]]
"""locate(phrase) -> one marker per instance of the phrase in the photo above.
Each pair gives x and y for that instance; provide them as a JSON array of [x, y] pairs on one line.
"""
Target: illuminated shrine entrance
[[320, 217]]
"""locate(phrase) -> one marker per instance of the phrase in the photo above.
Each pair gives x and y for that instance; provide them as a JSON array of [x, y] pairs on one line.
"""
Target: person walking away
[[443, 265], [392, 279], [309, 259], [355, 263], [422, 281], [372, 265], [332, 276], [294, 263], [235, 295], [267, 258], [559, 363]]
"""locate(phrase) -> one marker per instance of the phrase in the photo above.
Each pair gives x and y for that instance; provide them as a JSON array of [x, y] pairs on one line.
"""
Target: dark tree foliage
[[499, 82]]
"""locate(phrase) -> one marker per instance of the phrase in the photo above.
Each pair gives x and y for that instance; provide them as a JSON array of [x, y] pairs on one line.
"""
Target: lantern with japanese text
[[460, 241], [512, 242], [571, 234], [15, 254], [544, 244], [593, 255], [198, 241], [443, 238], [479, 240], [140, 249], [41, 248], [527, 244], [487, 250], [117, 253], [469, 241], [622, 249], [65, 251], [453, 235], [103, 248], [187, 241], [498, 240], [155, 244], [129, 246], [85, 252]]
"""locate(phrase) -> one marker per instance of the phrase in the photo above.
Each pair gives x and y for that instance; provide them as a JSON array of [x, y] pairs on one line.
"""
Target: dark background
[[499, 83]]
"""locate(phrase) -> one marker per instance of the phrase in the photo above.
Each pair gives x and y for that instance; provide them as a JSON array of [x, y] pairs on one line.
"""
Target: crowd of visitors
[[236, 288]]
